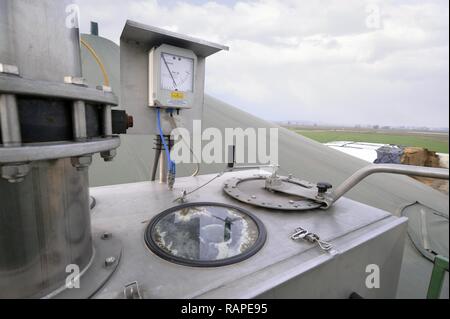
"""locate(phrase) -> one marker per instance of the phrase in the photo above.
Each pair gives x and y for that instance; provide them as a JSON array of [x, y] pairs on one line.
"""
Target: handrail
[[352, 181]]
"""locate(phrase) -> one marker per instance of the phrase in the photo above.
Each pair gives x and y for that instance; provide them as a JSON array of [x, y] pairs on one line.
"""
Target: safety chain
[[303, 234]]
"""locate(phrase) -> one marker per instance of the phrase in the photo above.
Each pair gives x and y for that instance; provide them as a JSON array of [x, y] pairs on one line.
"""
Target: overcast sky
[[332, 61]]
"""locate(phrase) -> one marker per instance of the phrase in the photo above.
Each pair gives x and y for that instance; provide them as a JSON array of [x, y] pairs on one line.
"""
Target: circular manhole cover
[[205, 235]]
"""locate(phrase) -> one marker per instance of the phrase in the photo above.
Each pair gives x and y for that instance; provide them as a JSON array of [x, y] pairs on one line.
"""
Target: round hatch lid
[[205, 235], [253, 191]]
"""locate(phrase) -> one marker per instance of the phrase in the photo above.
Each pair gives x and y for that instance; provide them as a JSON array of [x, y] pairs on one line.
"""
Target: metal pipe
[[155, 164], [9, 120], [163, 170], [79, 120], [440, 173], [107, 121]]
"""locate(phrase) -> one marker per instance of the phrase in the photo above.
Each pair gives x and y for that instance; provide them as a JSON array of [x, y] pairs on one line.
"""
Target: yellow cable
[[99, 62]]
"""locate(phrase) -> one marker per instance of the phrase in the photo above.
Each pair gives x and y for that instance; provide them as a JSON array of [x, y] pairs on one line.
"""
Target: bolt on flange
[[109, 156], [82, 162], [15, 173]]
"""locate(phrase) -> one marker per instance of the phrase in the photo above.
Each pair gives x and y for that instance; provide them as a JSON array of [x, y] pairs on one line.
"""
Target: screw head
[[110, 261], [106, 236]]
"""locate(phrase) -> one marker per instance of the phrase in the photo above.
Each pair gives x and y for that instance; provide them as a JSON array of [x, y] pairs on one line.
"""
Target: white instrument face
[[177, 73], [173, 80]]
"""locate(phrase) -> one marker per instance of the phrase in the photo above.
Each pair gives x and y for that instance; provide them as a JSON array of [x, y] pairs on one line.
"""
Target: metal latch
[[132, 291], [303, 234]]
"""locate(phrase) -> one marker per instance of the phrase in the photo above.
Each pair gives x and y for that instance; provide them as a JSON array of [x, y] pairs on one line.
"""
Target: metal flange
[[252, 191], [52, 151], [20, 86], [107, 255]]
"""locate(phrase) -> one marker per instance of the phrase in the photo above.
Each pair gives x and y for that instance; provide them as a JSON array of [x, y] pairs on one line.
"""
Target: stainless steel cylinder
[[40, 38], [107, 121], [163, 168], [44, 215], [44, 227], [9, 121], [79, 120]]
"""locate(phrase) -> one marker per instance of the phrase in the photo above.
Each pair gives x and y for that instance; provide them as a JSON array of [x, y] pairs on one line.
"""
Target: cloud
[[322, 61]]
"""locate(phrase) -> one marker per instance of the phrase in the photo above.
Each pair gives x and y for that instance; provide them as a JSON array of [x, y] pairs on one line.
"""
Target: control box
[[165, 70], [172, 73]]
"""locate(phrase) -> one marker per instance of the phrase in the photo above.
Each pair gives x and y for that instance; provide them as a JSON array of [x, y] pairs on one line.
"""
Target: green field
[[438, 143]]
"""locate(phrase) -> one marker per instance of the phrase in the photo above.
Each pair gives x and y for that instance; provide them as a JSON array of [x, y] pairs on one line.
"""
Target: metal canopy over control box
[[150, 77]]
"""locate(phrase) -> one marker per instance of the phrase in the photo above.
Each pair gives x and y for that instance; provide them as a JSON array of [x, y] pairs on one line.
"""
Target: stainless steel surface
[[361, 235], [360, 175], [7, 48], [79, 121], [51, 151], [380, 246], [95, 276], [9, 121], [35, 37], [20, 86], [44, 227]]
